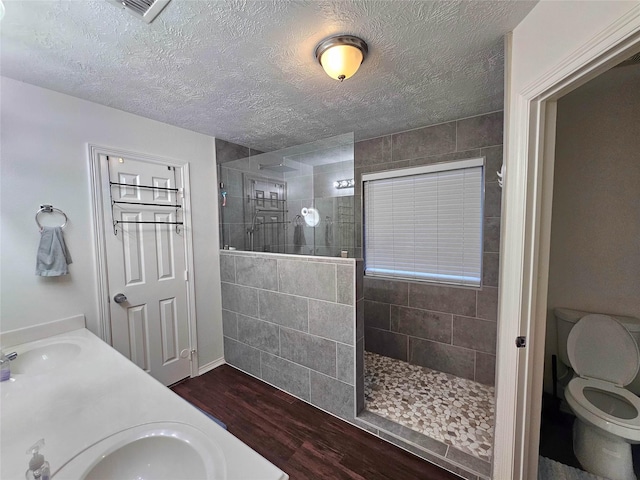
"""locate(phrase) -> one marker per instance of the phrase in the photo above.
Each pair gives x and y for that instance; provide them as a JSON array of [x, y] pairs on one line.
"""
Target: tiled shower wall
[[450, 329], [291, 321]]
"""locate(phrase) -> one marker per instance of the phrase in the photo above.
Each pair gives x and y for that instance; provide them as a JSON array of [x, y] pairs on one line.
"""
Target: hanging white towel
[[53, 256]]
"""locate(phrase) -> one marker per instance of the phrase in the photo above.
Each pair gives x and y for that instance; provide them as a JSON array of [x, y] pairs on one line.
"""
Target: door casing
[[98, 172]]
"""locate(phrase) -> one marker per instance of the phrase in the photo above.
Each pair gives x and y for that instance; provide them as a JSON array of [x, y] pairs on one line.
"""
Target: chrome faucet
[[12, 355]]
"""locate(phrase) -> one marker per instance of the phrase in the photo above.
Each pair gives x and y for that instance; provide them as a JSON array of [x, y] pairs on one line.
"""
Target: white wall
[[44, 159], [553, 31], [594, 262]]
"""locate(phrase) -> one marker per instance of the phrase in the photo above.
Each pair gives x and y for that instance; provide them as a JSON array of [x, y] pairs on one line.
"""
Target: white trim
[[97, 169], [188, 243], [432, 168], [525, 236], [211, 365], [43, 330], [104, 308]]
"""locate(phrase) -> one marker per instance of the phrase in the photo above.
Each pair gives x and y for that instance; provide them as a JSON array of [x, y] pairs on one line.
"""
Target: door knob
[[120, 298]]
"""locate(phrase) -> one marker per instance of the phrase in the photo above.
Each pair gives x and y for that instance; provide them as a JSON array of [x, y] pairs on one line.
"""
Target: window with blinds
[[425, 223]]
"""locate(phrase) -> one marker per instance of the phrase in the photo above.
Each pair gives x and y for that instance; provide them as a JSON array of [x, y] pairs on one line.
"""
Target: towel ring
[[51, 209]]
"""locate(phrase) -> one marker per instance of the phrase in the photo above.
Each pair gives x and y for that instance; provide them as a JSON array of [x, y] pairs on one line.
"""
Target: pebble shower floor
[[447, 408]]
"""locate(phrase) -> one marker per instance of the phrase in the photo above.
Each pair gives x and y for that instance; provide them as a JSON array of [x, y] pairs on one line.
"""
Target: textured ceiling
[[244, 71]]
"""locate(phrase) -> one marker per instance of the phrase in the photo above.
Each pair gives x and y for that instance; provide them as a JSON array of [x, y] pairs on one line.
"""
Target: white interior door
[[145, 250]]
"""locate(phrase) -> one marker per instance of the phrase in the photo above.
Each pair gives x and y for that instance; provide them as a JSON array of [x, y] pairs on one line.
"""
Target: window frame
[[451, 165]]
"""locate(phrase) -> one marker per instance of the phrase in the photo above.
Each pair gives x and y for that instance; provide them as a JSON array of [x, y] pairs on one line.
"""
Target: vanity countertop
[[94, 395]]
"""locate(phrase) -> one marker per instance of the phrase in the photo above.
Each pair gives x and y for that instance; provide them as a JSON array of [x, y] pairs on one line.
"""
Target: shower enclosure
[[298, 200]]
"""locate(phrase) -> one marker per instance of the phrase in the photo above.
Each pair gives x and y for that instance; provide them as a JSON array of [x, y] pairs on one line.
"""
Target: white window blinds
[[425, 223]]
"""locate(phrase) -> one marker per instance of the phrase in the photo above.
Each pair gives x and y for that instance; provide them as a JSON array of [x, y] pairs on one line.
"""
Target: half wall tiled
[[292, 321]]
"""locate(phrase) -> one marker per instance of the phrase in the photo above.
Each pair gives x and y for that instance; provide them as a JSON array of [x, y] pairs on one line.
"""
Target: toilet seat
[[584, 408], [606, 357]]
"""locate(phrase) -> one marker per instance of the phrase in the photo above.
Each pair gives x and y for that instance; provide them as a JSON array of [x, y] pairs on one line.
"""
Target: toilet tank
[[566, 318]]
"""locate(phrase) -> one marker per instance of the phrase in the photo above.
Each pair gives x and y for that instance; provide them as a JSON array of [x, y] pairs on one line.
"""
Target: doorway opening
[[593, 257]]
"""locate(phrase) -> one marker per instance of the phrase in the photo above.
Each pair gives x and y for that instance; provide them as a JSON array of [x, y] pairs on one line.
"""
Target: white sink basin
[[159, 457], [158, 451], [44, 358]]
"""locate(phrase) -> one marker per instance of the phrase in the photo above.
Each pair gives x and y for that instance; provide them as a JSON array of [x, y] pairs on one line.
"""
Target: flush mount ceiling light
[[341, 55]]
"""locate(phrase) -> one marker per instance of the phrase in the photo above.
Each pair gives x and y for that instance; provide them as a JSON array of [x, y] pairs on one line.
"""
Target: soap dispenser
[[38, 466]]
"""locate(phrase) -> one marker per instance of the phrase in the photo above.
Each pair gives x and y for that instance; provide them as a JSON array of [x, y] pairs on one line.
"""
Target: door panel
[[138, 337], [147, 263], [169, 325], [264, 214]]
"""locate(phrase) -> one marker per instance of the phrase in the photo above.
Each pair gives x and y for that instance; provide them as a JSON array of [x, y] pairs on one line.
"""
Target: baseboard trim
[[211, 365]]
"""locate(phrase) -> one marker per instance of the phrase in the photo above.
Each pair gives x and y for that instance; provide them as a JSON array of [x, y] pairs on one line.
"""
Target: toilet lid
[[600, 347]]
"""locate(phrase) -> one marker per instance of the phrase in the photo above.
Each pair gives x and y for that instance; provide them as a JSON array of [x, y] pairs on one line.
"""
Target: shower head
[[278, 167]]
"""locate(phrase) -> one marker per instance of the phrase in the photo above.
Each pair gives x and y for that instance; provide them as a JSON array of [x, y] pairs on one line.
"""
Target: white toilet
[[606, 358]]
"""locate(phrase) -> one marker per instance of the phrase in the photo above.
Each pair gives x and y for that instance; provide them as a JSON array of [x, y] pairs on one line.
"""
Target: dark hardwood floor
[[302, 440]]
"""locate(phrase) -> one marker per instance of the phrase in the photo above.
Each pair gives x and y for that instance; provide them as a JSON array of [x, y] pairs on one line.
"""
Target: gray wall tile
[[428, 443], [257, 272], [422, 142], [359, 278], [332, 320], [373, 151], [377, 315], [227, 268], [474, 463], [240, 299], [242, 356], [261, 335], [491, 234], [492, 199], [365, 426], [286, 310], [488, 303], [474, 333], [332, 395], [387, 291], [485, 368], [359, 319], [345, 360], [421, 323], [480, 131], [490, 269], [360, 402], [232, 180], [308, 279], [449, 157], [235, 236], [300, 188], [444, 358], [227, 151], [230, 324], [233, 213], [492, 163], [385, 343], [360, 358], [460, 301], [314, 352], [288, 376], [346, 284]]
